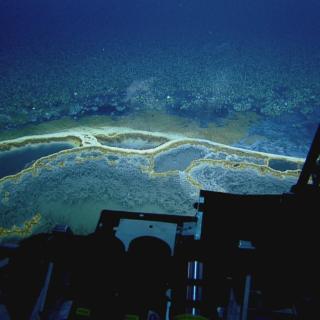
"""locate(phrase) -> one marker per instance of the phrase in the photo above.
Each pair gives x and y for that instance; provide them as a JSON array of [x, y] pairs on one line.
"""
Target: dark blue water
[[202, 59], [50, 23], [13, 161]]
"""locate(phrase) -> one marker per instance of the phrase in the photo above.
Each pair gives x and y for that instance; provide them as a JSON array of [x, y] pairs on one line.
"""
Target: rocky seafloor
[[207, 81], [159, 173]]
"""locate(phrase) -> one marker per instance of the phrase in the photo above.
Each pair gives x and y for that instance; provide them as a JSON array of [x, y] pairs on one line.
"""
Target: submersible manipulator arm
[[311, 167]]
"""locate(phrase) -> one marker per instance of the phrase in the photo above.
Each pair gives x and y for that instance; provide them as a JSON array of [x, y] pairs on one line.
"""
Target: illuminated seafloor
[[145, 128], [160, 173]]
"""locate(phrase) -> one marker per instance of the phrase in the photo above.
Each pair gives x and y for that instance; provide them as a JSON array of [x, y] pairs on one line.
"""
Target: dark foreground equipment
[[241, 257]]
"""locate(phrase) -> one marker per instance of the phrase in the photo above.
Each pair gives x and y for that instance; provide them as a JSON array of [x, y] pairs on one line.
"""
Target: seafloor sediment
[[125, 169], [210, 80]]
